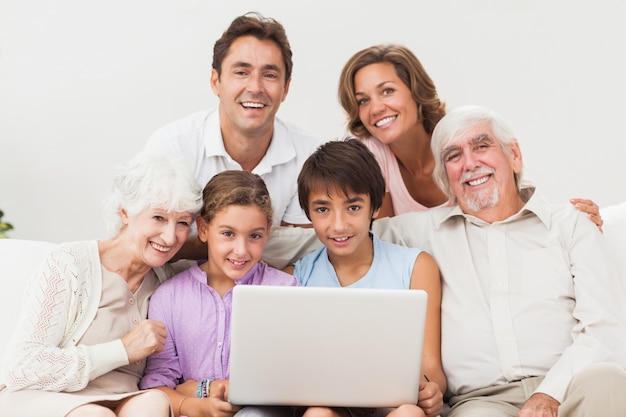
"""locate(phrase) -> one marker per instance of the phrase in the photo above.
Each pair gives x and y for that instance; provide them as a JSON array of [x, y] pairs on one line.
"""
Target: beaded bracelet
[[203, 388]]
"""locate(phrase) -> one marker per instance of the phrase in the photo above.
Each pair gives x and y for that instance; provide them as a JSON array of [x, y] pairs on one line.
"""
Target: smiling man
[[252, 64], [532, 304]]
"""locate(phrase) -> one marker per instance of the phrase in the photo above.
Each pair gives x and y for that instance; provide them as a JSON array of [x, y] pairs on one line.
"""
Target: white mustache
[[466, 176]]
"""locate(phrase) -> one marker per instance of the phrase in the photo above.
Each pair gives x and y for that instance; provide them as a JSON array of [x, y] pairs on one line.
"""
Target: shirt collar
[[280, 151], [534, 204]]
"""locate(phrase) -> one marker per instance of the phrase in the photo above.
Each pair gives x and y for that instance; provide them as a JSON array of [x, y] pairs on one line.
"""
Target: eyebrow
[[266, 67], [483, 137], [379, 85], [229, 227], [355, 199]]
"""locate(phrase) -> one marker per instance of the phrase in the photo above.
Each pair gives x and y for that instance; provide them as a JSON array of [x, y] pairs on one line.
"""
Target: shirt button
[[131, 301], [135, 320]]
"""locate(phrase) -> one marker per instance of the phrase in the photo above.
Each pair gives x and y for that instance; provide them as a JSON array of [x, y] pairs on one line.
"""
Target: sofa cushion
[[18, 260]]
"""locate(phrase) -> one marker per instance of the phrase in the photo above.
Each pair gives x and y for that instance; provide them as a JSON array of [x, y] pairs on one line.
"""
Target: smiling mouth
[[478, 181], [237, 263], [252, 105], [385, 121], [160, 248], [341, 239]]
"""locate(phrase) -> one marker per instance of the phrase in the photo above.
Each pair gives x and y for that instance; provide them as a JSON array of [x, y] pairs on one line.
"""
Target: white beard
[[481, 200]]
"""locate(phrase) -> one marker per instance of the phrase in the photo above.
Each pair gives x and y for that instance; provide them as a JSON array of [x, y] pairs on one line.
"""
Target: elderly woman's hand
[[144, 340]]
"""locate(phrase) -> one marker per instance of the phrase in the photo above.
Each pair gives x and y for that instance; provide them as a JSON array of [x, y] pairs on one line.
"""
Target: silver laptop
[[326, 346]]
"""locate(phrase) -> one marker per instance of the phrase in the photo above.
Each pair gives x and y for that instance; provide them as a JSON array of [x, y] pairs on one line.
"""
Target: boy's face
[[342, 222]]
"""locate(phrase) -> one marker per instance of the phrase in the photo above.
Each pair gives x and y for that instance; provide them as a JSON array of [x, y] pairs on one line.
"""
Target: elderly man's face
[[481, 173]]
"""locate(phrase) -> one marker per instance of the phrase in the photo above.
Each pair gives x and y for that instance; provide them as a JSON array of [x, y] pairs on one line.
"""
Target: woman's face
[[386, 106], [155, 235]]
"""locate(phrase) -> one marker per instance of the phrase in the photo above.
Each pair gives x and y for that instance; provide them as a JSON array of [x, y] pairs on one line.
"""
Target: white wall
[[84, 82]]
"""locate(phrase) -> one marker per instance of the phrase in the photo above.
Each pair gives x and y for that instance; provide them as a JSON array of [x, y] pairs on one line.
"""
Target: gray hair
[[455, 123], [151, 180]]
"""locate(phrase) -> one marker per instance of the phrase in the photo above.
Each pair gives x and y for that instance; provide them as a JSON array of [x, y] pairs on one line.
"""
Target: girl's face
[[235, 239], [386, 106]]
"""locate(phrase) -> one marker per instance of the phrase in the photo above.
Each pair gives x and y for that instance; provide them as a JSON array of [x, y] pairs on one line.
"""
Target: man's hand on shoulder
[[540, 405]]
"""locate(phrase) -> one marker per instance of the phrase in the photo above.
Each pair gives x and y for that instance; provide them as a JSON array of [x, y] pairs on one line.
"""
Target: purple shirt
[[198, 326]]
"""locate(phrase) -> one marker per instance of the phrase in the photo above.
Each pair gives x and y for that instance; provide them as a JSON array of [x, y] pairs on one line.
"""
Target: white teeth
[[160, 247], [478, 181], [385, 121], [341, 239], [238, 263], [252, 104]]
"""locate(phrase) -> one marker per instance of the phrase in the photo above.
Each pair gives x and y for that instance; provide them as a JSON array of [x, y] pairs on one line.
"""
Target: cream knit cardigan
[[61, 303]]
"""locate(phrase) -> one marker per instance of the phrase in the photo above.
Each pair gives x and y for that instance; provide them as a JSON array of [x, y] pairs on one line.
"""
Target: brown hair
[[240, 188], [408, 68], [262, 28], [345, 165]]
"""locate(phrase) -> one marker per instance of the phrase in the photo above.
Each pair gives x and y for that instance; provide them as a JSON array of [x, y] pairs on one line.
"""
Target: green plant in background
[[4, 227]]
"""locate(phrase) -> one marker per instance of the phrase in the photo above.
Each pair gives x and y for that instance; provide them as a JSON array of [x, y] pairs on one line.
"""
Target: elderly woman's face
[[156, 234]]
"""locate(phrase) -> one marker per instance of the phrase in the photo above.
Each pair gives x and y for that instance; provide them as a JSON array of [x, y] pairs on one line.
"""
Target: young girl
[[195, 305]]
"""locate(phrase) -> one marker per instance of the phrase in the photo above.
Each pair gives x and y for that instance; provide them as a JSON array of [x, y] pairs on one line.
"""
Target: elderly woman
[[81, 345]]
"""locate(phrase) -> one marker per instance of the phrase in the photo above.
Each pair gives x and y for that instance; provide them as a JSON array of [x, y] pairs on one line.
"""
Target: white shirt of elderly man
[[532, 307]]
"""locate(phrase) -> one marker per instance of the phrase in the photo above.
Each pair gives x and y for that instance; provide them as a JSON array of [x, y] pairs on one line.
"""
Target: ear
[[287, 84], [375, 213], [515, 156], [203, 229], [215, 80], [123, 215]]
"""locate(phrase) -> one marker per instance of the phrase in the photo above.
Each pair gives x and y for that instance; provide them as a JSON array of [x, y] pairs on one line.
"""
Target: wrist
[[203, 389]]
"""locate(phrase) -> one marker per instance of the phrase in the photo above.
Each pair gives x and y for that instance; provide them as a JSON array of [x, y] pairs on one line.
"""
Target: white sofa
[[19, 257]]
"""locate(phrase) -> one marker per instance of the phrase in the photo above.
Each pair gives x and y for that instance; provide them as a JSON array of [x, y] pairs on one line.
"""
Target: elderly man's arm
[[600, 332]]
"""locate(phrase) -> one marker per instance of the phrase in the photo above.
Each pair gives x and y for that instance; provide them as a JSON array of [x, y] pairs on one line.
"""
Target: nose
[[470, 162], [240, 246], [254, 84], [377, 106], [169, 234], [338, 222]]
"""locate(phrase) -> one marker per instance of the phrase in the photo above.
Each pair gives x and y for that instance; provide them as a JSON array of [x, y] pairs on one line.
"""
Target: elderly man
[[532, 309], [532, 305]]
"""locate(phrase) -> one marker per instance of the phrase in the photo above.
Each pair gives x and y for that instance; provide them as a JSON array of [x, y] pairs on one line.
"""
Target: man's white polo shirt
[[199, 137]]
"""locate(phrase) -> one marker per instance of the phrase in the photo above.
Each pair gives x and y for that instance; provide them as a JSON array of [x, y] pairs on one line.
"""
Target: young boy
[[341, 190]]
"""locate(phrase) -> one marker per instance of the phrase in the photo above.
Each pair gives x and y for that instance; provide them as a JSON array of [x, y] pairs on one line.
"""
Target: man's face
[[481, 173], [251, 87]]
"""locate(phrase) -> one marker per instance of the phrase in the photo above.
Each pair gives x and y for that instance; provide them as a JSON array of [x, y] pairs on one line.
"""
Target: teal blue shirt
[[391, 268]]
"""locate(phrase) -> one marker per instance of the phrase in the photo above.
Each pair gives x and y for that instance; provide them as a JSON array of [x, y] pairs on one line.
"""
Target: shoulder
[[379, 149], [396, 249], [273, 276], [409, 229], [184, 126], [74, 253], [313, 258], [182, 279], [564, 217], [301, 138]]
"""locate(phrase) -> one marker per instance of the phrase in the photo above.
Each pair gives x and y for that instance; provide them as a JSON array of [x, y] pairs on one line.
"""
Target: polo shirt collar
[[280, 151]]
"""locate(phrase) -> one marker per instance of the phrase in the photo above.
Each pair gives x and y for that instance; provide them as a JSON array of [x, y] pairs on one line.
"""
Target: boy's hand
[[430, 398]]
